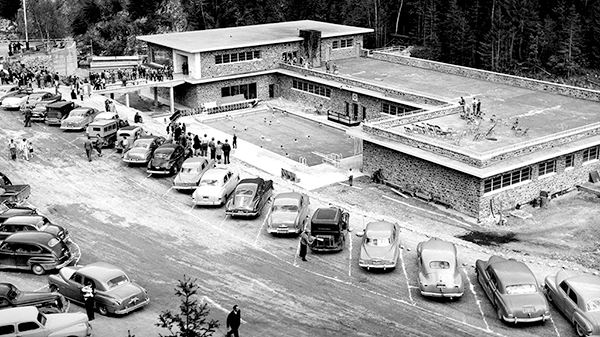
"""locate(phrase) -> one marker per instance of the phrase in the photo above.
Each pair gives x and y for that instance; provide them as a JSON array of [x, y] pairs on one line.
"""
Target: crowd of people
[[100, 79], [26, 76], [204, 146], [21, 149]]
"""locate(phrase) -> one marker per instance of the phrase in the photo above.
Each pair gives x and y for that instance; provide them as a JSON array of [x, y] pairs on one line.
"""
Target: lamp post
[[25, 19]]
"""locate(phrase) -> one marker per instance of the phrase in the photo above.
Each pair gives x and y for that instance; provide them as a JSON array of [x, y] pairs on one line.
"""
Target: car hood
[[210, 191], [517, 302], [33, 298], [125, 291], [137, 153], [56, 322], [243, 201], [159, 162], [73, 120], [187, 177], [374, 252], [287, 218]]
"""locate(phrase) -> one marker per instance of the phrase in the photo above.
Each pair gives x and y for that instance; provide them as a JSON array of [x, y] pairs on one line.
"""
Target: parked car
[[329, 226], [513, 290], [191, 172], [105, 128], [142, 149], [577, 296], [37, 223], [14, 194], [380, 246], [14, 101], [103, 115], [40, 109], [79, 118], [167, 159], [250, 197], [29, 321], [115, 292], [47, 302], [215, 186], [7, 212], [439, 275], [39, 96], [6, 88], [56, 112], [130, 132], [288, 213], [18, 91], [37, 251]]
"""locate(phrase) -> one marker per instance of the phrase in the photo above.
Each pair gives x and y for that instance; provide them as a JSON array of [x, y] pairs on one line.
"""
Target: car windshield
[[188, 169], [379, 238], [78, 113], [141, 145], [439, 265], [117, 281], [162, 155], [519, 289], [285, 208], [593, 305], [209, 182]]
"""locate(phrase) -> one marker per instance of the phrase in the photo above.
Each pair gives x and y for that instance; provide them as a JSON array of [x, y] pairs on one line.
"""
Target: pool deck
[[541, 114]]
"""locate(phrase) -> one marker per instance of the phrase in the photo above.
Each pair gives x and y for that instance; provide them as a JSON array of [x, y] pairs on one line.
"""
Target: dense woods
[[552, 39]]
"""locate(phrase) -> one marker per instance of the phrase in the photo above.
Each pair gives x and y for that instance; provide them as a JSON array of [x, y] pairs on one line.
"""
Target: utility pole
[[25, 19]]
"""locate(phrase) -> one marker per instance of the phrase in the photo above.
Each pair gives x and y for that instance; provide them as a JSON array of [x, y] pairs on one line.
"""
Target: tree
[[191, 321], [9, 9]]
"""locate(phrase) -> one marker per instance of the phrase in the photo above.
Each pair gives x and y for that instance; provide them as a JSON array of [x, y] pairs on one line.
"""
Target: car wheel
[[53, 288], [37, 269], [580, 330], [499, 313], [547, 293], [102, 310]]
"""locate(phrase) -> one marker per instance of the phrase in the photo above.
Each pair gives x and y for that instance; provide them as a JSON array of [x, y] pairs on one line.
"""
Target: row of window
[[311, 88], [393, 109], [237, 57], [546, 167], [248, 90], [343, 43]]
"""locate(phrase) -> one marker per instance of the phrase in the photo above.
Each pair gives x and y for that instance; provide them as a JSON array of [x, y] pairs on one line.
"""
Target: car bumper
[[155, 171], [377, 266], [526, 319], [279, 230], [135, 161], [52, 121], [207, 202], [441, 294], [133, 308], [62, 127], [11, 106], [241, 213], [327, 249], [185, 187]]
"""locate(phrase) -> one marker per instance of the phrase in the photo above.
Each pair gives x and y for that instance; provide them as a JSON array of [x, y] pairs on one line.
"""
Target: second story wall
[[342, 47]]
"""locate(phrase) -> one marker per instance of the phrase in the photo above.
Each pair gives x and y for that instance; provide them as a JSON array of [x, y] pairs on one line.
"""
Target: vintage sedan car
[[215, 186], [39, 223], [15, 101], [380, 246], [40, 109], [37, 251], [6, 88], [191, 173], [18, 91], [513, 290], [79, 118], [167, 159], [47, 302], [250, 197], [29, 321], [143, 149], [288, 213], [39, 96], [10, 211], [130, 132], [439, 275], [115, 292], [577, 296]]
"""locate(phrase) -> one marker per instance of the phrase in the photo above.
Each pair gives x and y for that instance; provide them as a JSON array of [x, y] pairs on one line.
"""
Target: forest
[[556, 40]]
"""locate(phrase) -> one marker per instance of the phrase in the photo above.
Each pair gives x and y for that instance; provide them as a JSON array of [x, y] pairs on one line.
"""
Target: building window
[[248, 90], [590, 153], [506, 179], [570, 160], [393, 109], [237, 57], [547, 167], [335, 44], [311, 88], [347, 43]]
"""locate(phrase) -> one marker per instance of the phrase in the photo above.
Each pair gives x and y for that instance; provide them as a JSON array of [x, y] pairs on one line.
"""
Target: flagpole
[[25, 19]]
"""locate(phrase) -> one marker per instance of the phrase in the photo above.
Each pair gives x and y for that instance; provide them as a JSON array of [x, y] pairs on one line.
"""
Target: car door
[[24, 252], [561, 296], [5, 231], [30, 329], [7, 255], [571, 300], [489, 284], [74, 285], [227, 184]]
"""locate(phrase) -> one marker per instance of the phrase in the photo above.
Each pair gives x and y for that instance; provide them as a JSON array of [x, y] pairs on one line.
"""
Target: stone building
[[530, 137]]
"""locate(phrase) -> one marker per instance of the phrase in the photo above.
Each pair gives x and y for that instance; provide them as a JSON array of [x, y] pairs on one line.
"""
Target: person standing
[[350, 177], [212, 147], [87, 145], [29, 149], [478, 107], [28, 115], [234, 142], [305, 240], [219, 151], [21, 149], [88, 298], [197, 145], [204, 146], [124, 146], [12, 149], [99, 144], [234, 320], [226, 150]]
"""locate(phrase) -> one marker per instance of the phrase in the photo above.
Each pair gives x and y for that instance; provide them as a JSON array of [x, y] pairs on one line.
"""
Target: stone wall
[[525, 192], [561, 89], [341, 53], [351, 82], [453, 188]]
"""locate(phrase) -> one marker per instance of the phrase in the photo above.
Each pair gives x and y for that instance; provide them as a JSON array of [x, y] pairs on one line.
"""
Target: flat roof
[[542, 113], [199, 41]]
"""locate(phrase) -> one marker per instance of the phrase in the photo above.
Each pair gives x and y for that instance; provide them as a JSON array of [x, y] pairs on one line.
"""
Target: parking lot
[[119, 214]]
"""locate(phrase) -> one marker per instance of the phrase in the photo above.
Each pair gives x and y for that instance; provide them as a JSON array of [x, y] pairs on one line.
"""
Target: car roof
[[129, 127], [380, 226], [289, 195], [102, 122], [40, 93], [215, 173], [586, 286], [327, 214], [59, 104], [82, 108], [30, 236], [514, 271], [20, 219], [170, 146], [100, 271], [194, 161], [435, 249], [16, 315], [256, 181]]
